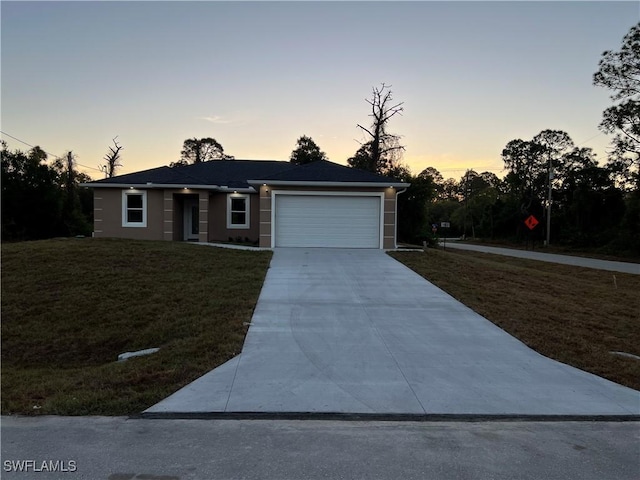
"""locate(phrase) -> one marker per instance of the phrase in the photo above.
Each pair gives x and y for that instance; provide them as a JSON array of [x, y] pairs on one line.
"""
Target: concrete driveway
[[355, 331]]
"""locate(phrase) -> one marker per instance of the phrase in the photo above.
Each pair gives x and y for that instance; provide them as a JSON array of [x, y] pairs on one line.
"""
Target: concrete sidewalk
[[612, 266], [355, 331]]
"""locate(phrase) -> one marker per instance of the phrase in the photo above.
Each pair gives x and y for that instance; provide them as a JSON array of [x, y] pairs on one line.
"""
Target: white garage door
[[327, 221]]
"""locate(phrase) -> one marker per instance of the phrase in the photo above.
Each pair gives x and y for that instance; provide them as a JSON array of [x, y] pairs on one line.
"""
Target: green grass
[[70, 306], [572, 314]]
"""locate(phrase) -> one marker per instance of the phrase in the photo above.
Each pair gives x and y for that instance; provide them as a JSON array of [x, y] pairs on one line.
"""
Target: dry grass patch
[[572, 314], [70, 306]]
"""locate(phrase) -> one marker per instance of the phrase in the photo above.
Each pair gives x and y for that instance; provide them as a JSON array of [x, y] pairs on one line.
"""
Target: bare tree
[[112, 158], [383, 150]]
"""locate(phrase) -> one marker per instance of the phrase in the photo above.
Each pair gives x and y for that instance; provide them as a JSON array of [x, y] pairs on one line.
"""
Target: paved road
[[622, 267], [355, 331], [122, 449]]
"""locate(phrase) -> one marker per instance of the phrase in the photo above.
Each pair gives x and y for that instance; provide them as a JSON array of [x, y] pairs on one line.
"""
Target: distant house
[[271, 203]]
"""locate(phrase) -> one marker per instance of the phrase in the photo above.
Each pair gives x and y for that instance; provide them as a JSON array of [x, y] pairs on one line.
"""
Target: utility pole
[[466, 203], [70, 174], [549, 203]]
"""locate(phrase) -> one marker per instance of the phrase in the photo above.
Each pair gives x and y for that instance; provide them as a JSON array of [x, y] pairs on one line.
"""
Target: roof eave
[[283, 183], [176, 186]]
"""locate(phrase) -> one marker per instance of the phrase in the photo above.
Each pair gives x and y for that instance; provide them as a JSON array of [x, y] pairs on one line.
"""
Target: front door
[[191, 219]]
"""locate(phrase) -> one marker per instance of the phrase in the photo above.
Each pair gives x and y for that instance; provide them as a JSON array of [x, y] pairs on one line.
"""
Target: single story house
[[272, 203]]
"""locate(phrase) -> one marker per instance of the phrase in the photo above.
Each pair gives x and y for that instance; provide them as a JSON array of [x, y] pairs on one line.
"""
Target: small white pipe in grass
[[625, 354], [124, 356]]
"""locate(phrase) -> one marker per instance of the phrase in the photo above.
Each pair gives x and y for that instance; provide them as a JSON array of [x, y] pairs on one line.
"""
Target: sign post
[[531, 223], [445, 225]]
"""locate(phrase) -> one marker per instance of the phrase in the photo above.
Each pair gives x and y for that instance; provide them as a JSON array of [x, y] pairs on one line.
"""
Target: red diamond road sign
[[531, 222]]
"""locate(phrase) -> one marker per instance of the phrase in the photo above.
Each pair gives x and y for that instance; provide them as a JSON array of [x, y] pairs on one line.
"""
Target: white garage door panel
[[327, 221]]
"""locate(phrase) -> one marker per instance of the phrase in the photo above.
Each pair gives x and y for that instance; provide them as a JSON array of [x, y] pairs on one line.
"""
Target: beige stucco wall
[[174, 216], [204, 216], [165, 215], [107, 215], [389, 229], [265, 216], [218, 230], [174, 212]]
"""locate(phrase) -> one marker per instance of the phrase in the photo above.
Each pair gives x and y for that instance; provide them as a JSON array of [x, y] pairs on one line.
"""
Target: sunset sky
[[257, 75]]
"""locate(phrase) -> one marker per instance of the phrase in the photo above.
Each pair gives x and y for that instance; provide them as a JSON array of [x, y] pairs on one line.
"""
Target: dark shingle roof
[[235, 173], [325, 171], [155, 175], [229, 173]]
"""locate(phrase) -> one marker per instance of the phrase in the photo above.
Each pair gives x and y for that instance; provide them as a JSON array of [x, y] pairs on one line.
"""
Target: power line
[[51, 154], [476, 169], [27, 144], [590, 138], [469, 168]]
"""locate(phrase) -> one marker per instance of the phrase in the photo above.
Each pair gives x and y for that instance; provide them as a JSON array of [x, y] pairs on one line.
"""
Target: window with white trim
[[237, 210], [134, 208]]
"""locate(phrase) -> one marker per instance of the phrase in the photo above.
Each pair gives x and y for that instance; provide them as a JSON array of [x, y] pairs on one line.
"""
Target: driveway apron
[[355, 331]]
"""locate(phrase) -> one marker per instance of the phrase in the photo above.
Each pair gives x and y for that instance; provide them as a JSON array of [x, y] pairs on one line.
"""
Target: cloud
[[218, 120]]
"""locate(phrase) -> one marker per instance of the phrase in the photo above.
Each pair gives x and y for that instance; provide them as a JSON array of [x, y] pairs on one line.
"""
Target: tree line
[[42, 200], [579, 202], [589, 210]]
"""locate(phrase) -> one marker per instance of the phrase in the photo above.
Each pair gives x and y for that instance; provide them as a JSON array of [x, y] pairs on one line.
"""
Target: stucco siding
[[108, 215], [218, 213], [218, 217], [165, 214], [168, 217], [265, 216]]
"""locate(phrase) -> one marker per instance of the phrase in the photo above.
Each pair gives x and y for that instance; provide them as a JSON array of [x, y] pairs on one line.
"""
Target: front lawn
[[71, 306], [572, 314]]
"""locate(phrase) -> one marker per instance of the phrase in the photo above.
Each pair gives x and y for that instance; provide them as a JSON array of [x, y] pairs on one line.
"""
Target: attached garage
[[268, 203], [328, 220]]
